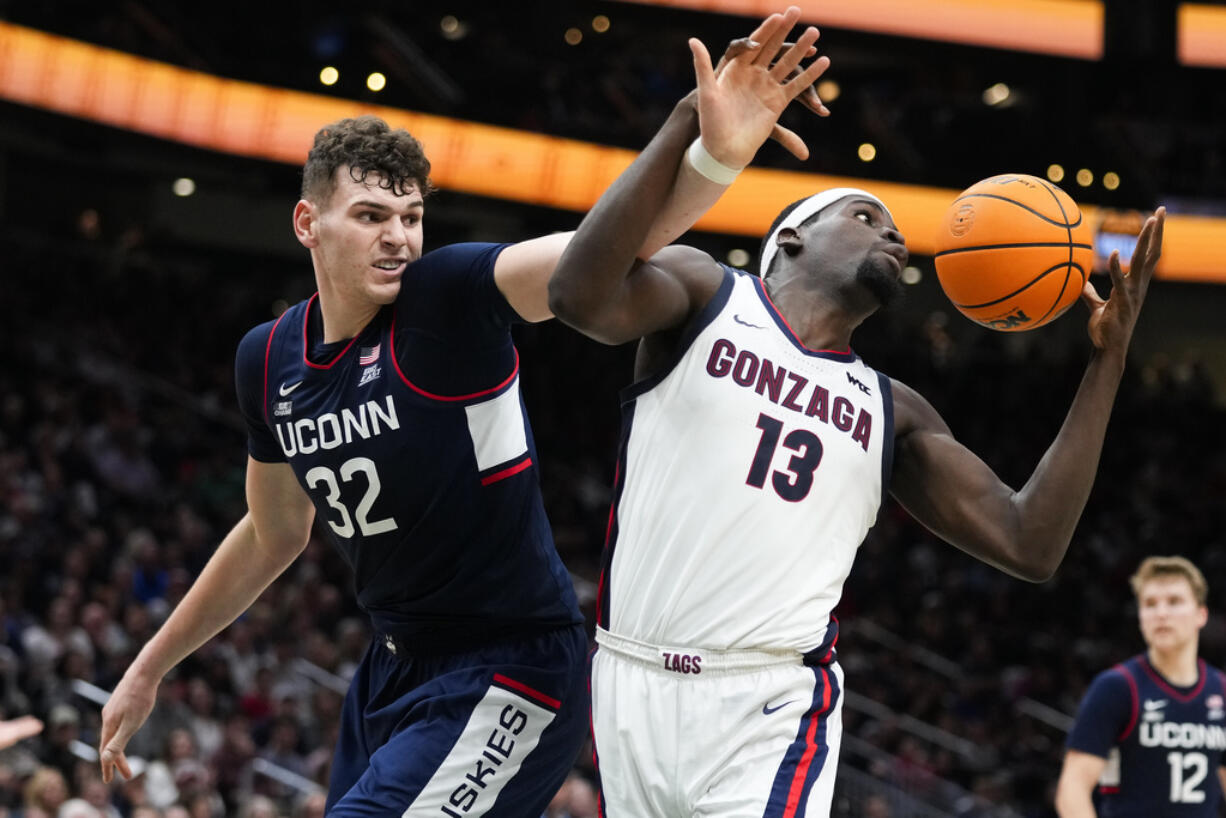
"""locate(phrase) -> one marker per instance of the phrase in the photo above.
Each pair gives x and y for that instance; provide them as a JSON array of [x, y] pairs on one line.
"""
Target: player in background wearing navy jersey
[[756, 448], [1151, 732], [388, 405]]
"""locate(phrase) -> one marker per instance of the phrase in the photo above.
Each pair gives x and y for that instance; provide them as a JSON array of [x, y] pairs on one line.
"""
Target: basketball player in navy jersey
[[1151, 732], [756, 450], [388, 404]]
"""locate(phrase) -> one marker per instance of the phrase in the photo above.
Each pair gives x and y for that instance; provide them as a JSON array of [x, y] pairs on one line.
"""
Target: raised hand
[[808, 97], [739, 107], [1112, 320]]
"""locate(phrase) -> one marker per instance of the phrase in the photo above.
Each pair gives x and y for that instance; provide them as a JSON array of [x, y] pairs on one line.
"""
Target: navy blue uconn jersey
[[413, 443], [1163, 744]]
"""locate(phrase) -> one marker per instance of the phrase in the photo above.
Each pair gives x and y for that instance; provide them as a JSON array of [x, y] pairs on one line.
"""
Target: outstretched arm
[[602, 286], [252, 555], [958, 497]]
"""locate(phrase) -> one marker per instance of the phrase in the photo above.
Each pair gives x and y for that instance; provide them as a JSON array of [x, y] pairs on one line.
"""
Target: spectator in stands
[[44, 793]]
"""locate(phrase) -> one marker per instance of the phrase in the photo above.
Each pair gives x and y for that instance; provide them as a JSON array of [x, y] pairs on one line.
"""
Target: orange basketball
[[1013, 252]]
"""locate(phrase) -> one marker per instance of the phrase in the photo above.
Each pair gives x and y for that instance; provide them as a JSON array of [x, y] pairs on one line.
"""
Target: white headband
[[805, 211]]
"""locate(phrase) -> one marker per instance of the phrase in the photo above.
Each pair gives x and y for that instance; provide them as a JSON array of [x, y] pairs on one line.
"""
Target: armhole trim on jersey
[[845, 355], [448, 398], [701, 321], [1166, 686], [306, 342], [1134, 696], [267, 356], [887, 440], [603, 596]]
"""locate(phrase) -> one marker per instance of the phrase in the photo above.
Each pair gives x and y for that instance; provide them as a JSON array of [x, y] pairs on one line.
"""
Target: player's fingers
[[1155, 251], [736, 48], [1118, 278], [1155, 245], [1138, 268], [812, 50], [811, 100], [773, 41], [792, 56], [766, 28], [763, 33], [806, 78], [1091, 297], [120, 760], [107, 766], [116, 731], [703, 72], [789, 140], [112, 757]]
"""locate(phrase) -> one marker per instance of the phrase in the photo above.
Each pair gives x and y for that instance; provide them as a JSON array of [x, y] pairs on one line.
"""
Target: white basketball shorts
[[686, 732]]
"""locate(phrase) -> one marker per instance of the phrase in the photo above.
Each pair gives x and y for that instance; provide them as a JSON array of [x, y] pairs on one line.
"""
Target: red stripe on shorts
[[548, 701], [802, 769]]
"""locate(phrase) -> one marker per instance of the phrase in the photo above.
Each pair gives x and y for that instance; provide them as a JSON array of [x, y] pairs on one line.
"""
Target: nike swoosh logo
[[743, 323], [284, 390], [767, 709], [1155, 705]]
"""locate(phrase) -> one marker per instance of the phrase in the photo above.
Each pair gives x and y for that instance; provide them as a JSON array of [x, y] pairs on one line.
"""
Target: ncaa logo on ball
[[963, 218]]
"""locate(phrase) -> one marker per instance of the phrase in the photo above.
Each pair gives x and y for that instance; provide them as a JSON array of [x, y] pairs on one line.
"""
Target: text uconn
[[330, 430]]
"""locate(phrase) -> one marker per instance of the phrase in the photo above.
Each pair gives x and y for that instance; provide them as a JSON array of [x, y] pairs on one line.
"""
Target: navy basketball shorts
[[491, 732], [696, 733]]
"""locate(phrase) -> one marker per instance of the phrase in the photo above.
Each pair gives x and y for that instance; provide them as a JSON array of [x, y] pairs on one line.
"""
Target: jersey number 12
[[1187, 771]]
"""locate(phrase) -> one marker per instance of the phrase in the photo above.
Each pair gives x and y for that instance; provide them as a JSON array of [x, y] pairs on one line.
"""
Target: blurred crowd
[[919, 102]]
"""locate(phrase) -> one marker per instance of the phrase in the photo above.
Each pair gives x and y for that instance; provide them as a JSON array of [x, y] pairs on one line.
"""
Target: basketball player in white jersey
[[756, 451]]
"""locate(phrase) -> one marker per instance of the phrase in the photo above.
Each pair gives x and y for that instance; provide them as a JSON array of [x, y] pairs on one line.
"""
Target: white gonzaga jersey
[[750, 470]]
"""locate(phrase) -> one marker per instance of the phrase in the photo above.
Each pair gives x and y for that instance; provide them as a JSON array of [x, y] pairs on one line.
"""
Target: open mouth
[[390, 267]]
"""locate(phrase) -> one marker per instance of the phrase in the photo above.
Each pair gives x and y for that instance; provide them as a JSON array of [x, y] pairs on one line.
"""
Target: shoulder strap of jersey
[[1126, 672], [267, 356]]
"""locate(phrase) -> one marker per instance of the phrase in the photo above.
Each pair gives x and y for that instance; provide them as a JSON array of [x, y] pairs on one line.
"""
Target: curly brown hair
[[365, 145]]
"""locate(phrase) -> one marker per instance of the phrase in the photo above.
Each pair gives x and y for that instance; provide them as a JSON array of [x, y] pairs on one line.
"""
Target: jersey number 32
[[324, 476]]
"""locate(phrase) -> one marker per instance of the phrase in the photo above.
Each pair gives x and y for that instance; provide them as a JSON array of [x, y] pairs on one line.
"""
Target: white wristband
[[707, 165]]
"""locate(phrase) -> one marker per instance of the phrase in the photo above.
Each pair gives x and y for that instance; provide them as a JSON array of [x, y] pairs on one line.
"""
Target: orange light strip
[[242, 118], [1067, 28], [1201, 35]]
